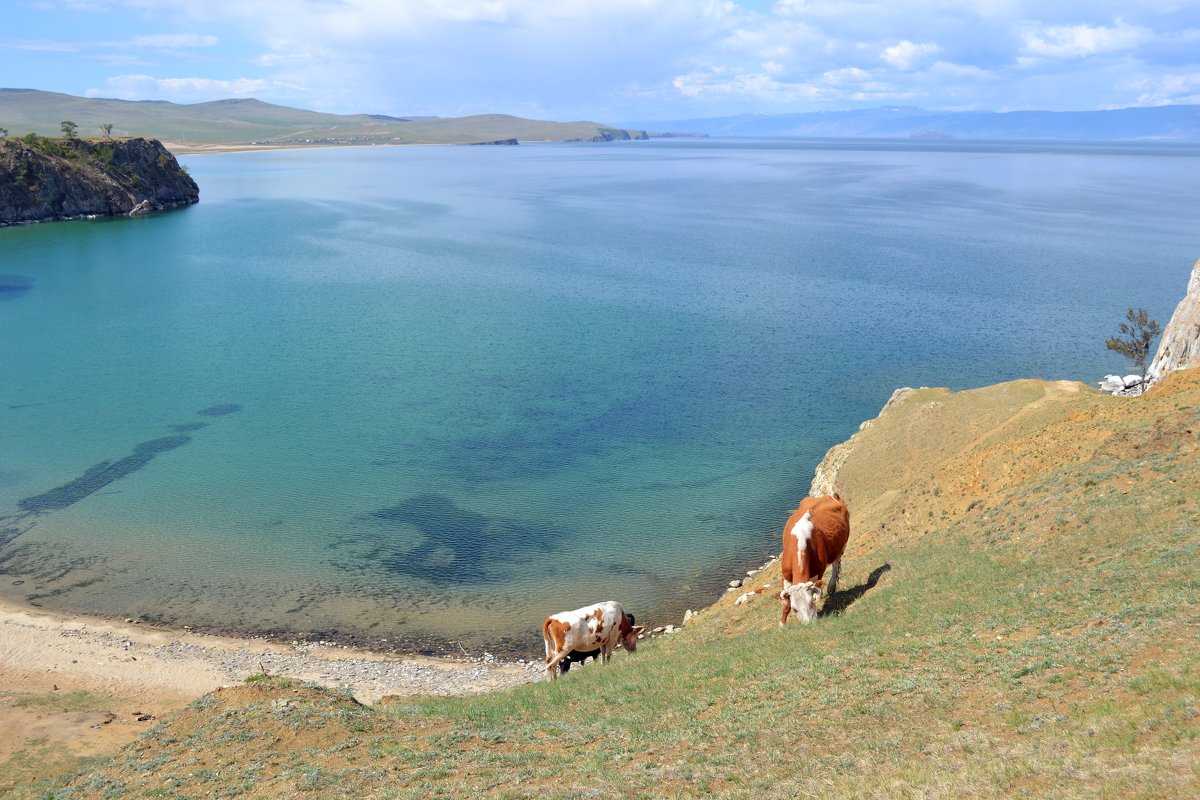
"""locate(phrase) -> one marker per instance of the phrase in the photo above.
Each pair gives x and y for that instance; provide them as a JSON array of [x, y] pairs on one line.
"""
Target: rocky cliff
[[47, 179], [615, 135], [1180, 345]]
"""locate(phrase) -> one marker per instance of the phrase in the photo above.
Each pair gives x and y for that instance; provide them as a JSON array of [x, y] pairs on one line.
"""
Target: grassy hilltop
[[1018, 617], [241, 122]]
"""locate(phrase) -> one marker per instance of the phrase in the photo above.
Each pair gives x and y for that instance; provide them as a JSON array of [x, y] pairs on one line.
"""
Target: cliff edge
[[1180, 345], [51, 179]]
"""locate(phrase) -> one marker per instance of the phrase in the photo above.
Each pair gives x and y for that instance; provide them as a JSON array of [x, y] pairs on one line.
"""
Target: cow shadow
[[838, 602]]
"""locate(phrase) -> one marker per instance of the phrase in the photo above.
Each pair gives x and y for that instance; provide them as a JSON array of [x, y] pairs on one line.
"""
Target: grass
[[1037, 639], [33, 769], [77, 700]]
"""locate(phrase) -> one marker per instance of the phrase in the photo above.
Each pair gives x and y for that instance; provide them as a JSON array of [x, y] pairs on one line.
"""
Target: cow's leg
[[605, 654], [552, 670], [787, 607], [552, 663], [831, 587]]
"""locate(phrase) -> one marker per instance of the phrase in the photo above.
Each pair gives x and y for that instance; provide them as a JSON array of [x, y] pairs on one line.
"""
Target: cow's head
[[803, 599], [630, 633]]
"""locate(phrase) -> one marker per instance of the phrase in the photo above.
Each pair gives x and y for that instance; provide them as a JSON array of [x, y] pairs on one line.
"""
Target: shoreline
[[74, 686], [179, 149], [46, 651]]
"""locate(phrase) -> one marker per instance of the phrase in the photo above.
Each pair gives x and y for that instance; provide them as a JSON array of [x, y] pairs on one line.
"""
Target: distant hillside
[[46, 179], [246, 122], [1164, 123]]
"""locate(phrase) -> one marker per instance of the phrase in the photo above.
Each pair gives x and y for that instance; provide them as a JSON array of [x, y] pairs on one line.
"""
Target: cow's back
[[830, 521], [831, 531]]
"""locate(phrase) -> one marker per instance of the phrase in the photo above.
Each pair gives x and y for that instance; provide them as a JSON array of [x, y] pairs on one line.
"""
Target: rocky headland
[[1180, 344], [44, 179], [1178, 349], [615, 135]]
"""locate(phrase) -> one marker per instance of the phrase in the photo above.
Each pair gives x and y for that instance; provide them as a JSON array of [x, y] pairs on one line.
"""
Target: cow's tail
[[550, 646]]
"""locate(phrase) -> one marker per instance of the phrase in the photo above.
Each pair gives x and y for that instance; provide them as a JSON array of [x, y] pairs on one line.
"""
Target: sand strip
[[42, 649]]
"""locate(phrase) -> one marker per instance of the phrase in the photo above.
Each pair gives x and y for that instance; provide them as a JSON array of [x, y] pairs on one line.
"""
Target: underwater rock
[[220, 410], [99, 476]]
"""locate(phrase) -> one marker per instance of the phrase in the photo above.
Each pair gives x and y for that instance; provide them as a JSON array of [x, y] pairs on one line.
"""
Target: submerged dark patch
[[457, 541], [220, 410], [13, 286], [100, 476]]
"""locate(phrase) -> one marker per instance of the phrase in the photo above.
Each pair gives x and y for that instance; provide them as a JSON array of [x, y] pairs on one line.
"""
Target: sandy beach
[[89, 684]]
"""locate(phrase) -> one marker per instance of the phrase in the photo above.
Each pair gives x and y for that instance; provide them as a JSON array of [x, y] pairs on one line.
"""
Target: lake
[[428, 395]]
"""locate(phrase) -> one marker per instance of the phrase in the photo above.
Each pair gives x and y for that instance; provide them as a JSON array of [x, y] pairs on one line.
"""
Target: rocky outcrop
[[48, 179], [1180, 344], [615, 135], [825, 479]]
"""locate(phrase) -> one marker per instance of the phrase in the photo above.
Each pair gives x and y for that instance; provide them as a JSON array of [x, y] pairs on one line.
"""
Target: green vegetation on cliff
[[1018, 617], [43, 178]]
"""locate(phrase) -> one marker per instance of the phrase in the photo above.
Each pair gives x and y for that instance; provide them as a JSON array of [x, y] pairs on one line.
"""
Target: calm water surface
[[388, 392]]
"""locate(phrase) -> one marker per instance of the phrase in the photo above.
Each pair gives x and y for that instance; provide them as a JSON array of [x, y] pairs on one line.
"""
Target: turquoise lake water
[[431, 394]]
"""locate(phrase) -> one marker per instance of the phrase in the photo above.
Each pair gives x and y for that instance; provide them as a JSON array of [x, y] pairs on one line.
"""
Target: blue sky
[[610, 60]]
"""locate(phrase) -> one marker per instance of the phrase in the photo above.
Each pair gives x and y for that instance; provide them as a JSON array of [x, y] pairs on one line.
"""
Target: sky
[[611, 60]]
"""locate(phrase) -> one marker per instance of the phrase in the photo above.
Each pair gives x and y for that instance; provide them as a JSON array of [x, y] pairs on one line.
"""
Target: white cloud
[[949, 70], [846, 75], [43, 46], [907, 55], [146, 87], [1081, 41], [1171, 89], [718, 83], [624, 59], [174, 41]]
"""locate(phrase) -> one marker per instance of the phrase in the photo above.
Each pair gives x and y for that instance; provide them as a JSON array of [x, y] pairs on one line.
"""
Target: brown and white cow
[[813, 538], [600, 626]]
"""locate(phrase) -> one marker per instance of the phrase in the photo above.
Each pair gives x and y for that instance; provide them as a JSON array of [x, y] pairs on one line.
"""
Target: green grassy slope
[[240, 122], [1018, 617]]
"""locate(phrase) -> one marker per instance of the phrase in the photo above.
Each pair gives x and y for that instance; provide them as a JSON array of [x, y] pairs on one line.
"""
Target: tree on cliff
[[1136, 334], [68, 128], [107, 128]]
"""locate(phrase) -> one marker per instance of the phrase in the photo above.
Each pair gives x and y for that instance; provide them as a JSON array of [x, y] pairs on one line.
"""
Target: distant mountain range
[[1161, 123], [243, 122], [240, 122]]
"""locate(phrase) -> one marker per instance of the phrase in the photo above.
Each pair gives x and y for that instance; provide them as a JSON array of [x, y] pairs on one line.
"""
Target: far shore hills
[[241, 124], [250, 124]]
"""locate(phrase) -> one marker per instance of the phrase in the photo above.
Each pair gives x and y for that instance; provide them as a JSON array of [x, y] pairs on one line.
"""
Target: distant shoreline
[[208, 149]]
